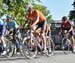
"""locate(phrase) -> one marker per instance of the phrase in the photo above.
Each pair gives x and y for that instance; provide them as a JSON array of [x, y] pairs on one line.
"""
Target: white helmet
[[30, 6]]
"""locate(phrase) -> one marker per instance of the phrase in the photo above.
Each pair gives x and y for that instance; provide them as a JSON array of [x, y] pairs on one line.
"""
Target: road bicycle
[[66, 43], [15, 42], [31, 45]]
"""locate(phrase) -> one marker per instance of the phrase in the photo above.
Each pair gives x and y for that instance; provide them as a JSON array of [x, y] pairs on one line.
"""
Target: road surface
[[58, 57]]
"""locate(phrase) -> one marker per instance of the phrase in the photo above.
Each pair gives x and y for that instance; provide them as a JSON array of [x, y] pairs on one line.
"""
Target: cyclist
[[12, 27], [66, 27], [2, 31], [38, 21]]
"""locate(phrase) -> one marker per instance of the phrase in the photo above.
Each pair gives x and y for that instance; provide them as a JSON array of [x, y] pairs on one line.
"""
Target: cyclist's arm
[[16, 25], [72, 24], [71, 29], [26, 22]]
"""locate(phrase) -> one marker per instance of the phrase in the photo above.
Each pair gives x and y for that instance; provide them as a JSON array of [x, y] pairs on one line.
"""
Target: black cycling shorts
[[42, 25]]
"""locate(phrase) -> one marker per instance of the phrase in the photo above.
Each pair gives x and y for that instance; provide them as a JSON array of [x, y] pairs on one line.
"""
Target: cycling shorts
[[42, 25]]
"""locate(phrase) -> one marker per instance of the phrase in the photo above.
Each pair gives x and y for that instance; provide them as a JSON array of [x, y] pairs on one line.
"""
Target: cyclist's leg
[[2, 39], [35, 35], [43, 28], [42, 34], [72, 40], [34, 27], [44, 40], [71, 36]]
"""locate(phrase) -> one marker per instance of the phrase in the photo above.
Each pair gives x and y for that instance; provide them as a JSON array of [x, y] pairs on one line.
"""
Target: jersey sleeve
[[16, 25], [72, 23]]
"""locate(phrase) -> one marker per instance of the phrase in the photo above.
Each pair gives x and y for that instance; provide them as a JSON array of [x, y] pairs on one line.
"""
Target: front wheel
[[29, 48], [9, 49], [66, 45]]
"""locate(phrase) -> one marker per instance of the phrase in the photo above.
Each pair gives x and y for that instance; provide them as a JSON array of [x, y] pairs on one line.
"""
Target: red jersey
[[66, 25], [33, 16]]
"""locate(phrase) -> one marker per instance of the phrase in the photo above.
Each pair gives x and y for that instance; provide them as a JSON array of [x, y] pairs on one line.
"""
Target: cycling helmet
[[8, 17], [30, 6], [64, 18]]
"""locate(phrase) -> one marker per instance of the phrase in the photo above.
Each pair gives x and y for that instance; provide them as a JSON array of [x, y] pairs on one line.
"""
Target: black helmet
[[64, 18]]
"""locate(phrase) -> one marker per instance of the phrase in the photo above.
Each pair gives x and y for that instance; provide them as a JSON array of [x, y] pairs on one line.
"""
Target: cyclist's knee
[[34, 27], [2, 37]]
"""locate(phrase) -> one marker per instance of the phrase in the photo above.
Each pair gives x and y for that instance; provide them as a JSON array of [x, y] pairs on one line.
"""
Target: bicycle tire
[[9, 48], [26, 51], [50, 47], [65, 45]]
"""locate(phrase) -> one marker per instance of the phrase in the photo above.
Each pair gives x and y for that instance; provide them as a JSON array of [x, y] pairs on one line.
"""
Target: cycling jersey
[[34, 16], [42, 25], [66, 25], [11, 25]]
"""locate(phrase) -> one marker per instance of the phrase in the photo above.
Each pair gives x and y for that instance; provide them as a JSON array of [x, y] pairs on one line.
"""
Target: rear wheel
[[50, 46]]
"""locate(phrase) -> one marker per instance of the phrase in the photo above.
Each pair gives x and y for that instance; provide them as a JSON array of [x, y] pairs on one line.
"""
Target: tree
[[44, 10], [72, 12], [17, 9]]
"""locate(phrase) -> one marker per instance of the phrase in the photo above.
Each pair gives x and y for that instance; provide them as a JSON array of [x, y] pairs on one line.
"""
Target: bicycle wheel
[[66, 45], [9, 47], [50, 46], [29, 49]]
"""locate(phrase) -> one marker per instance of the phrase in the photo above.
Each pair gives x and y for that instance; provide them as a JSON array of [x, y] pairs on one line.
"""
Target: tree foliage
[[72, 12], [44, 10], [17, 9]]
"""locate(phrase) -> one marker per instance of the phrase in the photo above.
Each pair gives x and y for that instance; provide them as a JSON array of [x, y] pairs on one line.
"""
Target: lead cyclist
[[38, 21]]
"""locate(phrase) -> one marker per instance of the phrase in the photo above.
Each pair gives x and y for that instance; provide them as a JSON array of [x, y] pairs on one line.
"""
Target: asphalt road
[[58, 57]]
